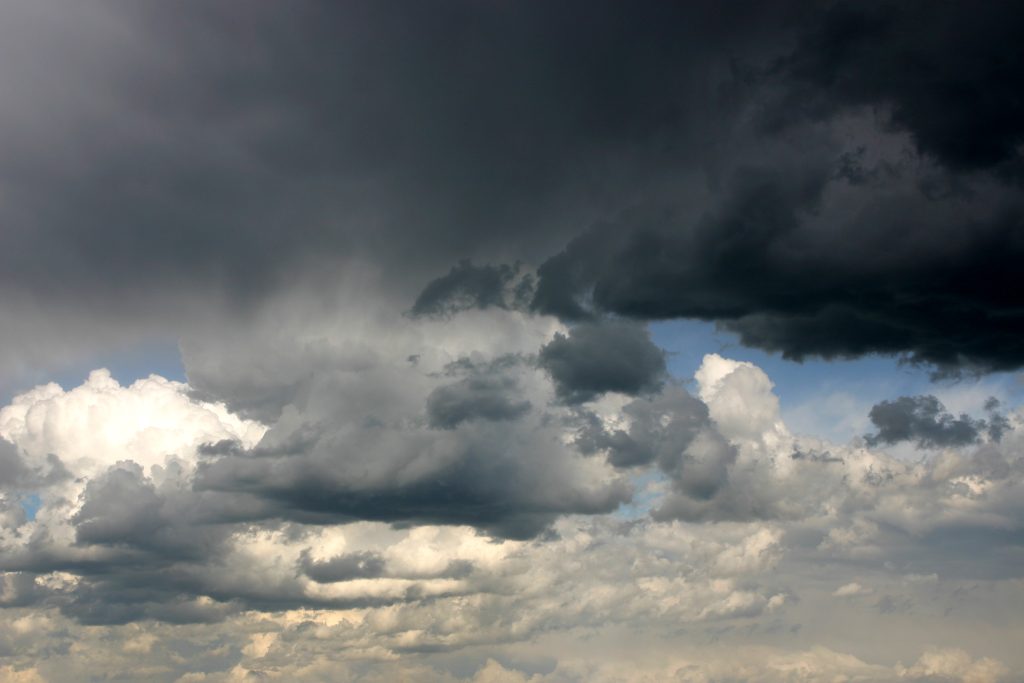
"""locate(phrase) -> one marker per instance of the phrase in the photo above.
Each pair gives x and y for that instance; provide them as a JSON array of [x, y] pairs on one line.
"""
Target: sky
[[502, 341]]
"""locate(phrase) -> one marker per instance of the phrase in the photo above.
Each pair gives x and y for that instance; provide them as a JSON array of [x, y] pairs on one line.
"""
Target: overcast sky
[[507, 341]]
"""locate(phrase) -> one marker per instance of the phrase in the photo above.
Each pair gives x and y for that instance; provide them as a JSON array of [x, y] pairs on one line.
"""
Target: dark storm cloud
[[183, 167], [948, 73], [467, 286], [222, 155], [816, 251], [224, 149], [653, 264], [924, 420], [933, 280], [483, 488], [596, 358]]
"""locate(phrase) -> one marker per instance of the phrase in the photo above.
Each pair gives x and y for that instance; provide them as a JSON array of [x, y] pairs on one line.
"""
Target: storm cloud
[[765, 265], [924, 420], [940, 72], [597, 358], [375, 287], [467, 286], [223, 155], [903, 241]]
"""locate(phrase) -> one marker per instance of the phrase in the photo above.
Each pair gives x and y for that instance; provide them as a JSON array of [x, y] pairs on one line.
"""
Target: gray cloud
[[12, 469], [226, 166], [453, 442], [119, 507], [474, 398], [16, 475], [467, 286], [358, 565], [661, 428], [924, 420], [221, 156], [318, 201], [484, 486], [596, 358], [270, 542]]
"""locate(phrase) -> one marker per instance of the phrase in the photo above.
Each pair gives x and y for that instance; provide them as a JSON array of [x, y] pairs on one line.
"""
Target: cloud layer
[[409, 254], [470, 510]]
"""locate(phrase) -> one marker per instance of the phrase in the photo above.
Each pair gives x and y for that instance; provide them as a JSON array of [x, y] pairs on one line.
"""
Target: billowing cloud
[[420, 432], [890, 232], [783, 261], [224, 157], [487, 393], [594, 359], [924, 420], [467, 286], [303, 586], [409, 253], [823, 181]]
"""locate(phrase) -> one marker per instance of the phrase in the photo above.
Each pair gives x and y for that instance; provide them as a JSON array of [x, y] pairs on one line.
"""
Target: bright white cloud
[[101, 422]]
